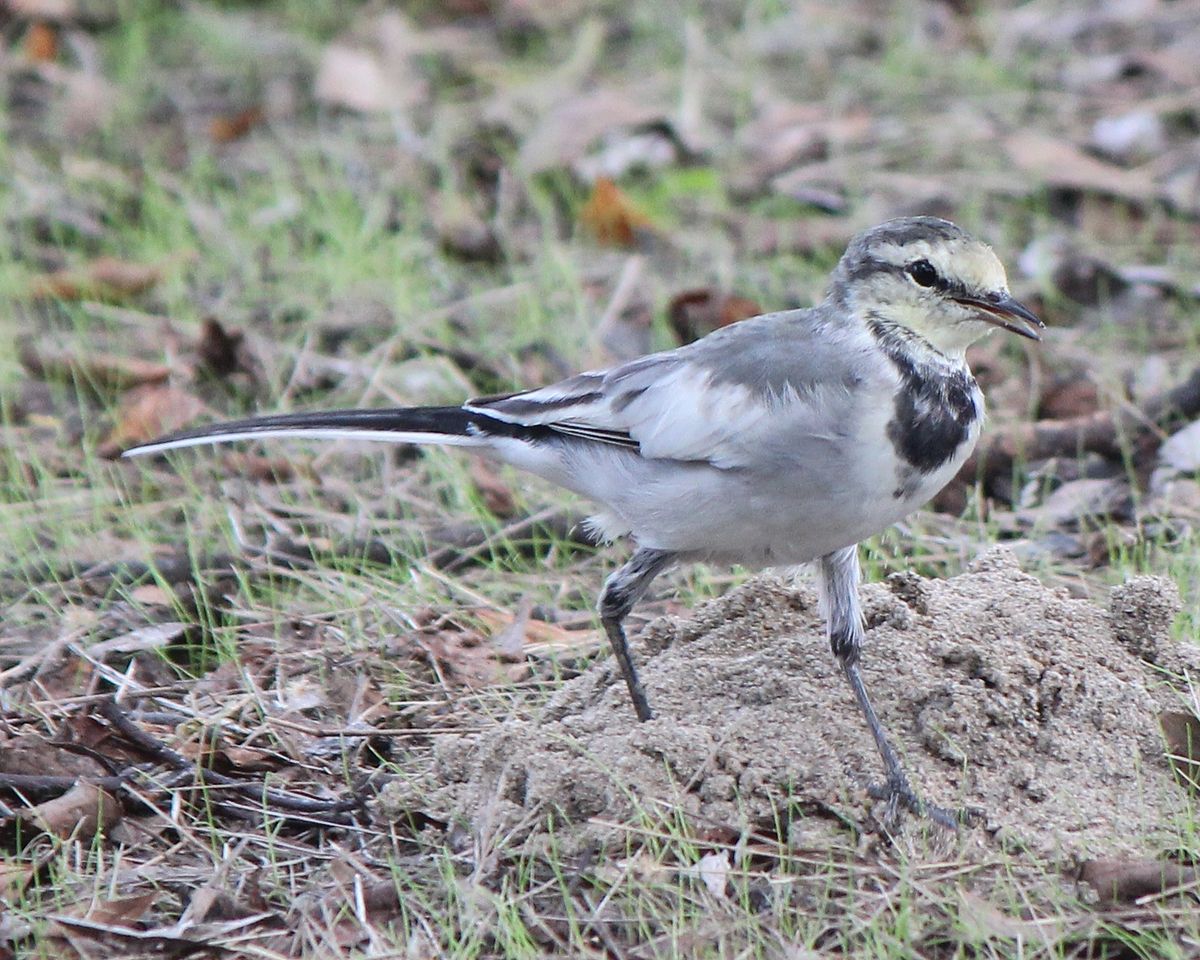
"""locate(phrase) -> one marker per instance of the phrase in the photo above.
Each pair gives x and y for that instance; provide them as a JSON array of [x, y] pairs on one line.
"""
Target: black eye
[[923, 272]]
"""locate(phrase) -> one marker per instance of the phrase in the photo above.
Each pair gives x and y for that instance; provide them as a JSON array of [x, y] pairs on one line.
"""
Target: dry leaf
[[713, 871], [122, 912], [1122, 881], [224, 351], [696, 313], [149, 412], [568, 129], [983, 921], [151, 637], [1057, 163], [105, 278], [1182, 733], [228, 129], [152, 595], [611, 218], [78, 812], [41, 42], [494, 492], [260, 469], [375, 76], [105, 371], [14, 878]]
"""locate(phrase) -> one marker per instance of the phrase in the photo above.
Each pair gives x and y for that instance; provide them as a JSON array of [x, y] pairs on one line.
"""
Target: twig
[[252, 789], [1107, 432]]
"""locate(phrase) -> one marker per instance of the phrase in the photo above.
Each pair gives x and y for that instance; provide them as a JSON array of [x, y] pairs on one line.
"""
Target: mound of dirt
[[1000, 693]]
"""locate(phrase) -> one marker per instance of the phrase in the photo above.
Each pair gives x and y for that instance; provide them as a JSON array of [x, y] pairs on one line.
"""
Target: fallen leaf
[[260, 469], [713, 871], [1080, 501], [1123, 881], [223, 351], [377, 74], [151, 637], [41, 42], [105, 371], [567, 130], [982, 921], [121, 912], [494, 492], [464, 234], [1182, 733], [228, 129], [611, 218], [151, 594], [695, 313], [1058, 163], [149, 412], [105, 278], [78, 812], [1181, 451], [14, 878]]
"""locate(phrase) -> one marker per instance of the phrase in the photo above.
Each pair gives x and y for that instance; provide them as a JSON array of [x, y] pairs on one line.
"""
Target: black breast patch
[[933, 417], [934, 411]]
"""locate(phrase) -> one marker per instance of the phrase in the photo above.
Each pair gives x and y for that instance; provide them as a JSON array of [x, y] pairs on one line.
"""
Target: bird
[[781, 440]]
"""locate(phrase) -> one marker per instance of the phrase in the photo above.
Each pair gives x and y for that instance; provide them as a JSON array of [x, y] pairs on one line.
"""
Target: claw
[[901, 799]]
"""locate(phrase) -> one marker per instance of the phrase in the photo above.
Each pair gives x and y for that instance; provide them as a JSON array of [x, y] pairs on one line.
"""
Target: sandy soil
[[1000, 693]]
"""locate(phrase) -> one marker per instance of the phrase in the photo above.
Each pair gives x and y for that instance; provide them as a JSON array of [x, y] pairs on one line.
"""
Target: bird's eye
[[923, 272]]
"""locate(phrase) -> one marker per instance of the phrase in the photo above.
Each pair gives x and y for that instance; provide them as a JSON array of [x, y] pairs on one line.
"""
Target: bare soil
[[1001, 694]]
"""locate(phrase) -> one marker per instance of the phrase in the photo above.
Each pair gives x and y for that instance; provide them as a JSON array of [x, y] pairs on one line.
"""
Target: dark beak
[[1003, 311]]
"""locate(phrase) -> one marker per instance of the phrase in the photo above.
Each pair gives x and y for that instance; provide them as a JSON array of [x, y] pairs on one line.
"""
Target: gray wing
[[719, 400]]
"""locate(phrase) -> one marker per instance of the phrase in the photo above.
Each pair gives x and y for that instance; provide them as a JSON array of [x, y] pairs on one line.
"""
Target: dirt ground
[[1001, 694]]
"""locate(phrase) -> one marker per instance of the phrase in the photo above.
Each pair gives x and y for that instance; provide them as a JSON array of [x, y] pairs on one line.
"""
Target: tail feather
[[441, 425]]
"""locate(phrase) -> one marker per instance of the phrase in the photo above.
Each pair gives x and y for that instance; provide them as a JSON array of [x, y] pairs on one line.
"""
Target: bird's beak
[[1005, 312]]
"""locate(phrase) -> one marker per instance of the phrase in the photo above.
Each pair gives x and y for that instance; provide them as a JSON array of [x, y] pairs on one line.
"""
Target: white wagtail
[[783, 439]]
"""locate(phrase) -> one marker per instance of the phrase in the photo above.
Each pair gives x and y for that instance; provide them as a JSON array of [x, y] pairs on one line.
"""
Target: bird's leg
[[621, 591], [839, 577]]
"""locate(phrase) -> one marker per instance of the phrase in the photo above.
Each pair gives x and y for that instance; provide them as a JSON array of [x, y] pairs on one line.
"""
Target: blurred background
[[216, 208]]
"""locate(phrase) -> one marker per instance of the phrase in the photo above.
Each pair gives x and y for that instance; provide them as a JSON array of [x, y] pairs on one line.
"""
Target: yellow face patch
[[962, 260]]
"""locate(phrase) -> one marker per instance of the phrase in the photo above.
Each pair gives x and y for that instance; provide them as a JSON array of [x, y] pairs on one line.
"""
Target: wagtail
[[779, 440]]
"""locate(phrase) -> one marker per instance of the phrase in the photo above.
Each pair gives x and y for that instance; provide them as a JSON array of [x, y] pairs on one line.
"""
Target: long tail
[[441, 425]]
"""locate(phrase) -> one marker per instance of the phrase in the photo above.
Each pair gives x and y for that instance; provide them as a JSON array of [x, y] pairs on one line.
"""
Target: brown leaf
[[228, 129], [122, 912], [260, 469], [149, 412], [217, 346], [14, 878], [982, 921], [694, 313], [78, 812], [464, 234], [1070, 396], [378, 74], [105, 278], [611, 218], [41, 42], [1122, 881], [1058, 163], [1182, 733], [494, 492], [105, 371]]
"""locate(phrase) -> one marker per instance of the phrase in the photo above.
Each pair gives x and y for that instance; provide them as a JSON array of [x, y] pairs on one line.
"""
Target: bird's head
[[933, 278]]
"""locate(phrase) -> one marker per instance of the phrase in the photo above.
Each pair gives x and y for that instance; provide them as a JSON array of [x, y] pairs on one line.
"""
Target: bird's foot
[[900, 799]]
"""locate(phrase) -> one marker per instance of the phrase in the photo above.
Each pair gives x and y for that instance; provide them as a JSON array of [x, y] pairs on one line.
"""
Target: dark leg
[[621, 591], [839, 578]]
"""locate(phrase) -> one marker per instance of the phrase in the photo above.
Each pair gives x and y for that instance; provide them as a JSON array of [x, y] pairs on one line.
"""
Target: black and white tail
[[452, 426]]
